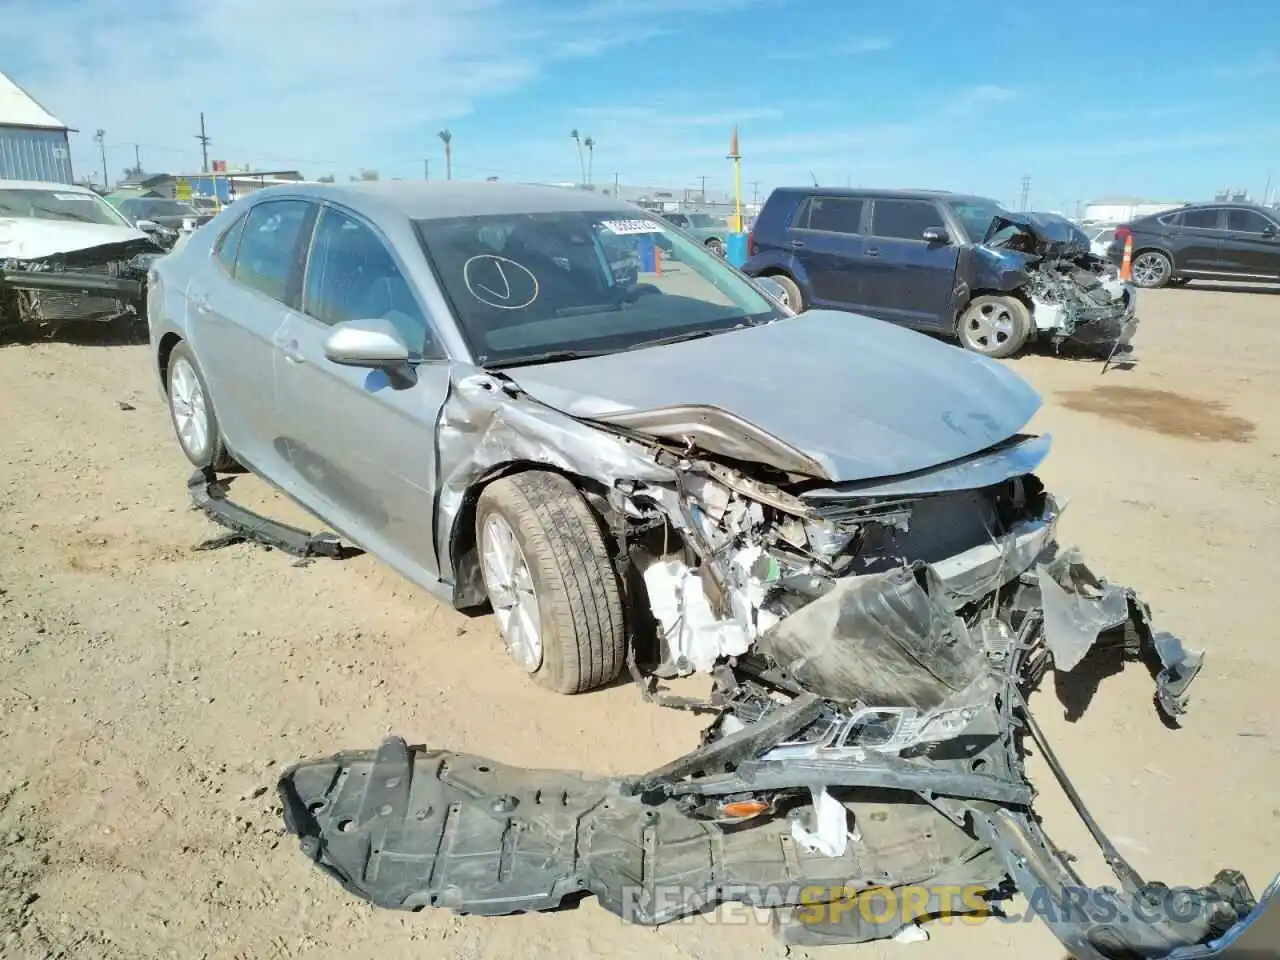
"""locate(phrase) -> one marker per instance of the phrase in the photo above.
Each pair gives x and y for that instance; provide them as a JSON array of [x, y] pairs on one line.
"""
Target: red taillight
[[1123, 234], [751, 244]]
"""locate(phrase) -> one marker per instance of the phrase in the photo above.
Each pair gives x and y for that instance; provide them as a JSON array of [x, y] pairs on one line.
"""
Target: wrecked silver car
[[457, 378], [66, 256]]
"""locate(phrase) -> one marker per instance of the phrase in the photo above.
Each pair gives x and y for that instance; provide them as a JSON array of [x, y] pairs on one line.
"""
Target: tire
[[994, 326], [568, 589], [715, 246], [200, 436], [1152, 269], [795, 299]]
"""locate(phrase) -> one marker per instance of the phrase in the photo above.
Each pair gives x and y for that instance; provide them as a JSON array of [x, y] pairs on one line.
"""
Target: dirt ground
[[150, 694]]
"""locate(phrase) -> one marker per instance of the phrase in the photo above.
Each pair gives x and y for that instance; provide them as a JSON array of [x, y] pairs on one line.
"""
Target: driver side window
[[352, 276]]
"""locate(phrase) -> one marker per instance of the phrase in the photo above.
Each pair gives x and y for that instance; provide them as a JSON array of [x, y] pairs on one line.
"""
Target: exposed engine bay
[[1074, 295], [100, 283], [871, 648]]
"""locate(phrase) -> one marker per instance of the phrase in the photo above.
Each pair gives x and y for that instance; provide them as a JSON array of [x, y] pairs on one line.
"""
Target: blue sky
[[1165, 100]]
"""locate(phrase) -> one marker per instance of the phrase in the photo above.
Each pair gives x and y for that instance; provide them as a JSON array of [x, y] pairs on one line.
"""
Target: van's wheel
[[550, 581], [994, 326], [795, 300], [191, 411]]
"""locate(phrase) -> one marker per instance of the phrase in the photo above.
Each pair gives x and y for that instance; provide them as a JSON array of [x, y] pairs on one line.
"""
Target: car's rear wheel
[[795, 300], [191, 411], [550, 581], [1152, 269], [994, 326]]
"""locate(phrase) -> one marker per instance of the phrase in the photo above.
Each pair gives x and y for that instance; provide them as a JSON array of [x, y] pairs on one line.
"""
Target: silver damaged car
[[546, 403]]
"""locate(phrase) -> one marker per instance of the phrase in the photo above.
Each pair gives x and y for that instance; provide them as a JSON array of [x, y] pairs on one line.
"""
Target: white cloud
[[851, 48], [317, 84]]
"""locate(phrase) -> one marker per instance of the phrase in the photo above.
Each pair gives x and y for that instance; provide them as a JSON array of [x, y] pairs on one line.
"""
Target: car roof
[[1228, 204], [424, 200], [45, 185], [885, 194]]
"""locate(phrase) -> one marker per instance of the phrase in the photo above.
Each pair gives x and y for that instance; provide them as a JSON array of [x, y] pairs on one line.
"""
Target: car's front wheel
[[1152, 269], [550, 581], [192, 414], [994, 326]]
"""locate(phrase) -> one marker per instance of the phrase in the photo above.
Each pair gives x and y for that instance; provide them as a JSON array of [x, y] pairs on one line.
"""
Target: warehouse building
[[33, 142]]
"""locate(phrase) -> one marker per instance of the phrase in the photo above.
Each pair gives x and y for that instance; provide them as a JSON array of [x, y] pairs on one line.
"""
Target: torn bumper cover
[[893, 770]]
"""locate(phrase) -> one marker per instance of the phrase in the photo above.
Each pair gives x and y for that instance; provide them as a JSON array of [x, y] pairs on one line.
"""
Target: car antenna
[[815, 179]]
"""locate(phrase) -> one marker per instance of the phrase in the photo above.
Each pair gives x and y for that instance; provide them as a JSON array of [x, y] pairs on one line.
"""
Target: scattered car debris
[[210, 496]]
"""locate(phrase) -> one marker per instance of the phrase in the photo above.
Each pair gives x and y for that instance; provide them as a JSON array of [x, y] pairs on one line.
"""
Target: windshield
[[163, 208], [525, 287], [975, 216], [703, 220], [59, 205]]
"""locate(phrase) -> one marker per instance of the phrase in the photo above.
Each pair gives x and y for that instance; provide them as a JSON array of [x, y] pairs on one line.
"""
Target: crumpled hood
[[27, 238], [828, 394], [1053, 235]]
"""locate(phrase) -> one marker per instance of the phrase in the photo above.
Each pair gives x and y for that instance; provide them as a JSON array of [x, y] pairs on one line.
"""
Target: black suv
[[1202, 241], [940, 262]]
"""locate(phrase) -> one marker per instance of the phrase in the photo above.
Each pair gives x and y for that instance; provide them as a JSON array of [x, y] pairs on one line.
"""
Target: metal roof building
[[33, 142]]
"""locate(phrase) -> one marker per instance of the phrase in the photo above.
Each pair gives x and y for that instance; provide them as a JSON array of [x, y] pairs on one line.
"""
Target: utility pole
[[102, 146], [703, 191], [426, 169], [204, 145], [615, 182], [755, 192], [1026, 192], [137, 158]]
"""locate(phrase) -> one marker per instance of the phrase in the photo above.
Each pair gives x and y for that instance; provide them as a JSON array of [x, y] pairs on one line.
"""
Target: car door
[[825, 239], [906, 278], [1251, 247], [1197, 234], [237, 303], [362, 450]]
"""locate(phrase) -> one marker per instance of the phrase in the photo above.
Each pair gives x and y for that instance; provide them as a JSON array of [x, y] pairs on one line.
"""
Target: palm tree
[[573, 135], [590, 144], [447, 138]]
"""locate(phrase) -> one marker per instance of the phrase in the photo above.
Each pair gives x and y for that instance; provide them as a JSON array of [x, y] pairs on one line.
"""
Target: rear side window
[[831, 214], [903, 219], [268, 248], [1171, 219], [1205, 219], [1247, 221], [225, 250]]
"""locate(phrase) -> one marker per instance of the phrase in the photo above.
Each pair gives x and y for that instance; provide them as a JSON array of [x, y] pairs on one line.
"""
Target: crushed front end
[[871, 648], [101, 283], [1076, 298]]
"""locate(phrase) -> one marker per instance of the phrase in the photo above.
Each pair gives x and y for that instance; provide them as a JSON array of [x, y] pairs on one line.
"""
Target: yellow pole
[[736, 156]]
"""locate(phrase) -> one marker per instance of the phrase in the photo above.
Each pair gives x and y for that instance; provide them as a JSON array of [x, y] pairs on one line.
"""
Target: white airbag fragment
[[694, 636], [831, 838]]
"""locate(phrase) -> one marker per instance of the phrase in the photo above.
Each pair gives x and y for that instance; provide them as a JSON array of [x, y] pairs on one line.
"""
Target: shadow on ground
[[123, 332]]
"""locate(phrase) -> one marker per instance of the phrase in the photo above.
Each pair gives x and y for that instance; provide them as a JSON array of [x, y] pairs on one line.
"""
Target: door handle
[[796, 244], [872, 252]]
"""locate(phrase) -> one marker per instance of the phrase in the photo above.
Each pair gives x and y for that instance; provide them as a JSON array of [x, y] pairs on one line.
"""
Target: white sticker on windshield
[[627, 228]]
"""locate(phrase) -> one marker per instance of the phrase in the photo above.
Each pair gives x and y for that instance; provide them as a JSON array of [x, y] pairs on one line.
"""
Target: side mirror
[[146, 226], [936, 235], [372, 344]]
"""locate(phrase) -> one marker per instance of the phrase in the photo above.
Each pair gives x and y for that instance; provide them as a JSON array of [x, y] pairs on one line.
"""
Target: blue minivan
[[939, 262]]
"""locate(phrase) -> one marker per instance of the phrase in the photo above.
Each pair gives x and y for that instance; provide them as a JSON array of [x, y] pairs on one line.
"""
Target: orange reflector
[[744, 808]]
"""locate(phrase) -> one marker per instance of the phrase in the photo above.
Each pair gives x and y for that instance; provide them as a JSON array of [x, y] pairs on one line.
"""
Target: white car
[[1100, 239], [67, 254]]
